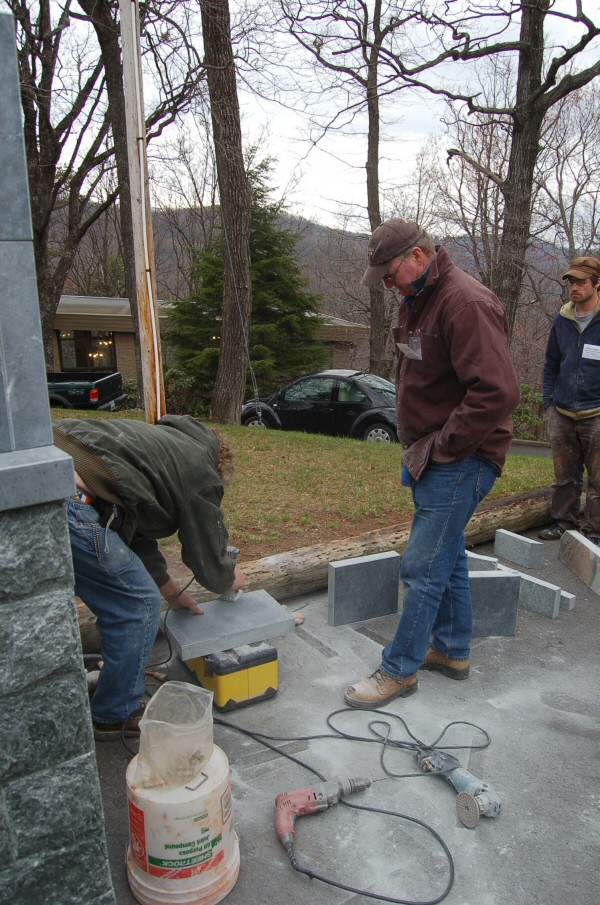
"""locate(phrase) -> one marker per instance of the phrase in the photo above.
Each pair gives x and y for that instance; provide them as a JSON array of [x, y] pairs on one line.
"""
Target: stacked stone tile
[[367, 587]]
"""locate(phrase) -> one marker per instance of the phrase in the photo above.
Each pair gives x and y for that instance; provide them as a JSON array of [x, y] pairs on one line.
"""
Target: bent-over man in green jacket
[[137, 483]]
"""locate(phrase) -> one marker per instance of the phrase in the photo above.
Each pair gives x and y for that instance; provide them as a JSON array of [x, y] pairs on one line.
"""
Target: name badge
[[590, 351], [412, 349]]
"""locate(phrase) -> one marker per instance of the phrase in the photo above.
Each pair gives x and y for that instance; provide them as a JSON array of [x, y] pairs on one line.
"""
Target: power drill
[[300, 802], [474, 796]]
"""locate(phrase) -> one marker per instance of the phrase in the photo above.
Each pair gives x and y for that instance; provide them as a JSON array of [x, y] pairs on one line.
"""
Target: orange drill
[[300, 802]]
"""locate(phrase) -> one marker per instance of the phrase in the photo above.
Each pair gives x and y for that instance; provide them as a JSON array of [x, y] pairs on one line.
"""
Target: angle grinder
[[233, 553], [475, 798]]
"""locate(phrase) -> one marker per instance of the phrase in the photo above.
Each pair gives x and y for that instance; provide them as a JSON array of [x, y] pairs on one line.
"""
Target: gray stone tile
[[495, 602], [26, 411], [478, 563], [32, 476], [524, 551], [567, 600], [539, 596], [255, 616], [364, 587], [582, 557]]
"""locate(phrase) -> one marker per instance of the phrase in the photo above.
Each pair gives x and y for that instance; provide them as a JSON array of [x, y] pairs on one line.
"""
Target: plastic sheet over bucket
[[182, 844]]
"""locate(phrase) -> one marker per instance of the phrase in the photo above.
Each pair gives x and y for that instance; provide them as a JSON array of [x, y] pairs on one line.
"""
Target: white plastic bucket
[[183, 848]]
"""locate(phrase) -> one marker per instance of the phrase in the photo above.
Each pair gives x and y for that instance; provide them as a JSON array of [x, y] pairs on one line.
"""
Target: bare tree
[[565, 203], [440, 47], [98, 263], [178, 72], [568, 177], [545, 75], [74, 119], [345, 38], [67, 129], [235, 198], [186, 208]]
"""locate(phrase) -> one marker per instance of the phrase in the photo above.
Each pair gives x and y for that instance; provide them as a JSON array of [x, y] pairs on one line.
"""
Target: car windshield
[[380, 384]]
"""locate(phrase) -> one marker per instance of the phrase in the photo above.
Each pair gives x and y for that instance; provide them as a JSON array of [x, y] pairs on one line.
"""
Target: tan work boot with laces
[[379, 689], [452, 669]]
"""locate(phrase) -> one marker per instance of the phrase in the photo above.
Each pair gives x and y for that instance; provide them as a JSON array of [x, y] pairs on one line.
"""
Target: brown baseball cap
[[583, 268], [390, 240]]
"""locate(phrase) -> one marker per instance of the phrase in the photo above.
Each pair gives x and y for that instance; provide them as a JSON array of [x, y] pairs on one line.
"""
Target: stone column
[[52, 838]]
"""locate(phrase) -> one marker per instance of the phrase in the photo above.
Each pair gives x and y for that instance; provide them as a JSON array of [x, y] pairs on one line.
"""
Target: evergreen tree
[[284, 313]]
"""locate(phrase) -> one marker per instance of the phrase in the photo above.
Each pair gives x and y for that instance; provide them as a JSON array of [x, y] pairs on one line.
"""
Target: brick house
[[93, 332]]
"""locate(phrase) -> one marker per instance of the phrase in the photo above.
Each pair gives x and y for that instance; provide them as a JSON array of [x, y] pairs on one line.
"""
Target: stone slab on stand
[[254, 616]]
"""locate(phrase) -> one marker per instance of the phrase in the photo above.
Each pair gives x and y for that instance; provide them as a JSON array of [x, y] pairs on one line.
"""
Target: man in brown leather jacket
[[456, 389]]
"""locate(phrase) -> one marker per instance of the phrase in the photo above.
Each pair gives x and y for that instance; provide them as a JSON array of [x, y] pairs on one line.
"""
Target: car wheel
[[379, 433], [254, 421]]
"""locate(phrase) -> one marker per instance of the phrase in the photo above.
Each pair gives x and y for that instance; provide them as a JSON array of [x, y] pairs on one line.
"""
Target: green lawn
[[293, 490]]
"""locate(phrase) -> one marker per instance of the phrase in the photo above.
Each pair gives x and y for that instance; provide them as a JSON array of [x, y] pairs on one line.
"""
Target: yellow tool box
[[239, 676]]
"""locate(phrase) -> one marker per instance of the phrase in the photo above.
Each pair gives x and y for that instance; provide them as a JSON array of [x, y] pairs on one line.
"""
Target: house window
[[86, 350]]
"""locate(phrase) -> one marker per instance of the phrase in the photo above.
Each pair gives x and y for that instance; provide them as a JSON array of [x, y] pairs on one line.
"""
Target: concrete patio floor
[[536, 694]]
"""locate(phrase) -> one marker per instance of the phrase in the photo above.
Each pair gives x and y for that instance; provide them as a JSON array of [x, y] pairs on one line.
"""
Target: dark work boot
[[554, 532], [452, 669]]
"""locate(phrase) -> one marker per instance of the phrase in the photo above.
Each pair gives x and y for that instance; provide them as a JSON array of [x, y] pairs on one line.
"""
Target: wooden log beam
[[306, 570]]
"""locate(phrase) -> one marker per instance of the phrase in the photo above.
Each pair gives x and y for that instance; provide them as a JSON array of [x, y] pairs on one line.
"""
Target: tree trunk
[[524, 150], [378, 321], [234, 190], [48, 298]]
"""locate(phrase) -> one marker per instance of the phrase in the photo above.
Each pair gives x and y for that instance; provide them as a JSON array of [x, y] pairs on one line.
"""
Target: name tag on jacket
[[590, 351]]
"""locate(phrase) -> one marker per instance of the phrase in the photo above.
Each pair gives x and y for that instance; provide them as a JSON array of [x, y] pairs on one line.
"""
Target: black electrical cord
[[371, 895], [169, 647], [415, 746], [380, 730]]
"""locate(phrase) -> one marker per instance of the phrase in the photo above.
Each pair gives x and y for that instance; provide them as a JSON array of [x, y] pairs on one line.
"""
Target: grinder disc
[[467, 808]]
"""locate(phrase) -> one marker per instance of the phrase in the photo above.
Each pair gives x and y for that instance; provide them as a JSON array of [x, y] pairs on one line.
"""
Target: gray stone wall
[[52, 839]]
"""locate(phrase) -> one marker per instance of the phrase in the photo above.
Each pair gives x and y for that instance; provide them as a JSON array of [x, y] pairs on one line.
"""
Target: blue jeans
[[437, 595], [118, 589]]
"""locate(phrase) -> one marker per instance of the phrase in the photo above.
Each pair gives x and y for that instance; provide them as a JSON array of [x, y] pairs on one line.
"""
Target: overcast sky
[[331, 177]]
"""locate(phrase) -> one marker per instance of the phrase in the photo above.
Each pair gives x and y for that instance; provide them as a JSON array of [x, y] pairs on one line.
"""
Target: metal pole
[[154, 393]]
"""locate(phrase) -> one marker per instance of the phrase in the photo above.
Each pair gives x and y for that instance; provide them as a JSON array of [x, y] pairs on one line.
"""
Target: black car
[[339, 402]]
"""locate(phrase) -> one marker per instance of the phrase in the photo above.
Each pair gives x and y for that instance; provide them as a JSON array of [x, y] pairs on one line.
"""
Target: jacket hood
[[197, 431], [568, 310]]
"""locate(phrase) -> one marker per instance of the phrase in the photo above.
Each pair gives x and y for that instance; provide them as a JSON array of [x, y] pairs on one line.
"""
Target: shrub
[[527, 416]]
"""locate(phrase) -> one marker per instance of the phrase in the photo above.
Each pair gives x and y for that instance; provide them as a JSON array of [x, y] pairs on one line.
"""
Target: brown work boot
[[129, 728], [379, 689], [452, 669]]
